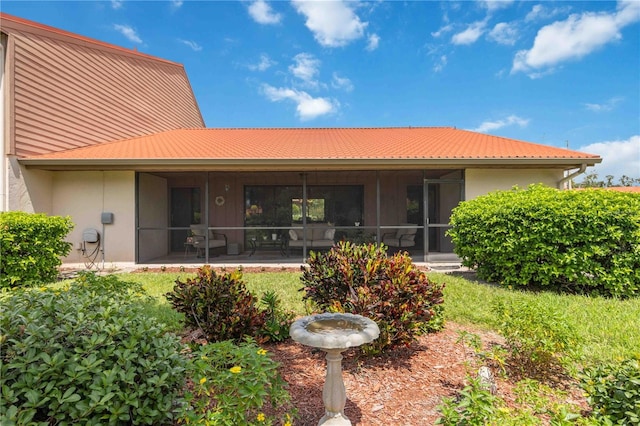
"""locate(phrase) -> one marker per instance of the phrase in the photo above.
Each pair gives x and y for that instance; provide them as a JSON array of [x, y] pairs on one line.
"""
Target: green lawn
[[609, 328]]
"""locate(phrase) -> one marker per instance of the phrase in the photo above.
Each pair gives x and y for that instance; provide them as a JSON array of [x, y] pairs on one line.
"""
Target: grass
[[608, 328]]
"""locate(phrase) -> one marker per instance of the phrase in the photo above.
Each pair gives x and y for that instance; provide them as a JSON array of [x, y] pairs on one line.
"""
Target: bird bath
[[334, 333]]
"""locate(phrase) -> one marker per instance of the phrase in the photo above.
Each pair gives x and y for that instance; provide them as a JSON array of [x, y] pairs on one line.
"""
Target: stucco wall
[[84, 196], [29, 190], [154, 213], [481, 181]]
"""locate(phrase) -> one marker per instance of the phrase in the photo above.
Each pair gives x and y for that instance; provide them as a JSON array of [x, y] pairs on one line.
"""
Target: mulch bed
[[403, 386]]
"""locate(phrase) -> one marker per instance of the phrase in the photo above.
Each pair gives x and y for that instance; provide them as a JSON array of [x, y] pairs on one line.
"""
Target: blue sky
[[563, 73]]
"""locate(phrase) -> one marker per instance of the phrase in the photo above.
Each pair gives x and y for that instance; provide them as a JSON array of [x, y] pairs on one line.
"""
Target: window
[[315, 210], [341, 205]]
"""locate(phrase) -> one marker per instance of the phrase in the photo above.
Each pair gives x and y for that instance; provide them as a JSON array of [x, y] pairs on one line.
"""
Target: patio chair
[[403, 237], [217, 240]]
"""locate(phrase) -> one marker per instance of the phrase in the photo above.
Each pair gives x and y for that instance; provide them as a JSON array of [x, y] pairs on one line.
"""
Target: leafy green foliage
[[474, 406], [31, 246], [84, 353], [232, 383], [277, 320], [613, 390], [586, 241], [220, 305], [537, 336], [361, 279]]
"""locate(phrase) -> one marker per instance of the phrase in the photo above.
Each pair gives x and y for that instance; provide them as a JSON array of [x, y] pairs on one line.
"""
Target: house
[[114, 138]]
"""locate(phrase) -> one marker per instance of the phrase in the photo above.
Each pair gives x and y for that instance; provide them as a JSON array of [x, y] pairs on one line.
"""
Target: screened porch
[[279, 217]]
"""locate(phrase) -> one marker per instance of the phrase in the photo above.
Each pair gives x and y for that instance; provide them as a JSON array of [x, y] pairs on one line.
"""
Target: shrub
[[31, 246], [231, 384], [474, 406], [85, 354], [613, 390], [220, 305], [536, 335], [277, 320], [361, 279], [574, 240]]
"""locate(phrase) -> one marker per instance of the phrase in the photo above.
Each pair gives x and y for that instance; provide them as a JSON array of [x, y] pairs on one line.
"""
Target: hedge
[[31, 246], [586, 241]]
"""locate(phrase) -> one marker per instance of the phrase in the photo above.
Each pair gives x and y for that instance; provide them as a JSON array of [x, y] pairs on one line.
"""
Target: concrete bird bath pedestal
[[334, 333]]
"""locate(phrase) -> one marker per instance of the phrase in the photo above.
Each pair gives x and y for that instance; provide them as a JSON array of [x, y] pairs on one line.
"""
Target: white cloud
[[264, 64], [471, 34], [574, 38], [128, 32], [511, 120], [116, 4], [262, 13], [447, 28], [540, 12], [440, 64], [306, 68], [504, 33], [492, 5], [176, 3], [192, 44], [619, 157], [374, 41], [609, 105], [333, 23], [343, 83], [307, 107]]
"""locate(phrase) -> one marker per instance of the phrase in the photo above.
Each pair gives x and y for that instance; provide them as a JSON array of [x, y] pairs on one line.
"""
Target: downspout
[[568, 178]]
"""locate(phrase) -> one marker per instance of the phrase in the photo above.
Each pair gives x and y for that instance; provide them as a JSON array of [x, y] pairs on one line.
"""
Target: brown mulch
[[402, 387]]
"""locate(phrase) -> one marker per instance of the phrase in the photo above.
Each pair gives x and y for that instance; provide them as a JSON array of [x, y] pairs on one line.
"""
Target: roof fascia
[[299, 164]]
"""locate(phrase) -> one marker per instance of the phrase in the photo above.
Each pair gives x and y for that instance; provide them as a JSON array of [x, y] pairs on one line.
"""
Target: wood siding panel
[[68, 95]]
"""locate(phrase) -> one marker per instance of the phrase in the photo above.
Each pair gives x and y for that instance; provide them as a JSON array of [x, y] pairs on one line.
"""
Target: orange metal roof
[[66, 91], [321, 145]]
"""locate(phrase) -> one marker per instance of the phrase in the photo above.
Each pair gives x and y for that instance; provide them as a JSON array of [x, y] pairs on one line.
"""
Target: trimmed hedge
[[31, 246], [585, 241]]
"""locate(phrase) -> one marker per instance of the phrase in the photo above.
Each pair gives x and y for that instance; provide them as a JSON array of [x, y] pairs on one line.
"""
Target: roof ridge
[[53, 32], [325, 128]]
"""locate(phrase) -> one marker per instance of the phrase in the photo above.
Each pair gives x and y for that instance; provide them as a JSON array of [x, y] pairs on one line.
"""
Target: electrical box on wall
[[107, 218], [90, 235]]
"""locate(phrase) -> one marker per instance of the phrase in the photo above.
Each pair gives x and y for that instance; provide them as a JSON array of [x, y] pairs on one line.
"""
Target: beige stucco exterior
[[82, 196], [481, 181]]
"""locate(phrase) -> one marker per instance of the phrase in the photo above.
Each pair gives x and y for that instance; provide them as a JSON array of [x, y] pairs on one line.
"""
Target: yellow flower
[[236, 369], [287, 423], [262, 352], [260, 417], [203, 380]]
